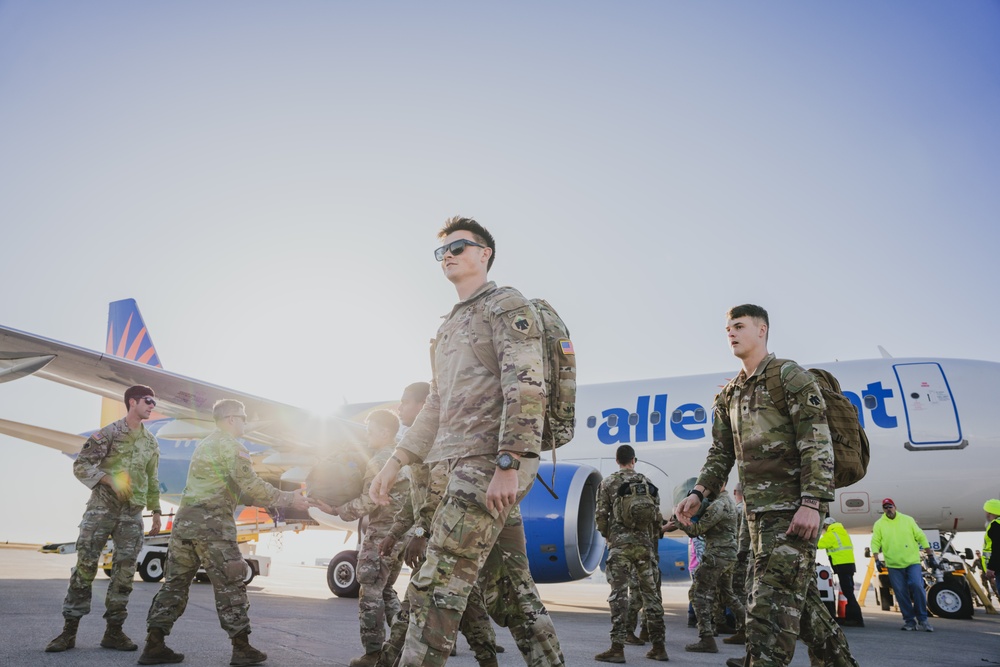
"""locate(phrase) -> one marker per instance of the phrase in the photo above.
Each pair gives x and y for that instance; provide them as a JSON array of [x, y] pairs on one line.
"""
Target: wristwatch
[[507, 461], [419, 532]]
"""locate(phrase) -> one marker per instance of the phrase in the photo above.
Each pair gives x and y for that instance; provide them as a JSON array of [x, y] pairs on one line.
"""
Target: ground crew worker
[[840, 550], [991, 560], [899, 539], [204, 534], [119, 464], [785, 465], [713, 580], [378, 600], [631, 548], [484, 416]]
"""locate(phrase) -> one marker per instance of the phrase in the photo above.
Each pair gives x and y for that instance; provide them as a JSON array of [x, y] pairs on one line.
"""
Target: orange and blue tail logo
[[127, 339]]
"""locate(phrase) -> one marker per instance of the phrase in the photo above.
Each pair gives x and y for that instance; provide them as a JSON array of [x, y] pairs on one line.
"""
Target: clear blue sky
[[267, 180]]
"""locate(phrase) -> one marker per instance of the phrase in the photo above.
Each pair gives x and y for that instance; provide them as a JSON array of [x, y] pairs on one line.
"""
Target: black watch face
[[505, 461]]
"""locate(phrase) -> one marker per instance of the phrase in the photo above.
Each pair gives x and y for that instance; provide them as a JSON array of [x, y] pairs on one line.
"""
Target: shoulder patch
[[795, 378]]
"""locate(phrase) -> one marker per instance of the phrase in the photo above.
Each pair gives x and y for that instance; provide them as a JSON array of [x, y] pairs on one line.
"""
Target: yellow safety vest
[[838, 545], [988, 544]]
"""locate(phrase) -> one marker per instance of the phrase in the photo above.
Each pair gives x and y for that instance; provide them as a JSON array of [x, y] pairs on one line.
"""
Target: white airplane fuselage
[[932, 425]]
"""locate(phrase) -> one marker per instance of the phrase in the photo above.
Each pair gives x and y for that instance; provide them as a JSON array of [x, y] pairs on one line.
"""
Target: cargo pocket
[[235, 570], [445, 613], [368, 567]]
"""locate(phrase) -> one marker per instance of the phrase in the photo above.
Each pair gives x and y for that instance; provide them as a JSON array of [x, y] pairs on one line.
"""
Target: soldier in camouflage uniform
[[713, 580], [629, 549], [475, 623], [220, 477], [378, 599], [119, 463], [484, 419], [785, 465]]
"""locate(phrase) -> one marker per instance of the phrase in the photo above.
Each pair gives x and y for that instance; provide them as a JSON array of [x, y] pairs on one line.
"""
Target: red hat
[[887, 501]]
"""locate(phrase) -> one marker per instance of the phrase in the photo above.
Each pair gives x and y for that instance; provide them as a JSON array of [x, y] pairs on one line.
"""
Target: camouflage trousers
[[785, 604], [634, 602], [102, 520], [378, 600], [463, 533], [513, 600], [641, 559], [712, 591], [225, 567], [743, 578]]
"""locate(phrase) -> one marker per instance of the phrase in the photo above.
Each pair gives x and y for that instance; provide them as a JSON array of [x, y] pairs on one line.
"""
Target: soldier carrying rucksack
[[628, 515]]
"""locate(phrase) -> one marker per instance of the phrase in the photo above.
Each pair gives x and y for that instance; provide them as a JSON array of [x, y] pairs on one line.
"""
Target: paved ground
[[298, 622]]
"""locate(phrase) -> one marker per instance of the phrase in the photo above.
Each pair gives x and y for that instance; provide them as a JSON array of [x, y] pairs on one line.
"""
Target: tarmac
[[298, 622]]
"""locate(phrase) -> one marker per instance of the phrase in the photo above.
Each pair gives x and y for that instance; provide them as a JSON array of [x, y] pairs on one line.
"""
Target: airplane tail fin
[[127, 339]]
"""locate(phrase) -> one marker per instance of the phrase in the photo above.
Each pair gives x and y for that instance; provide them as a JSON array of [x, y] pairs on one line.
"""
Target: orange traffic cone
[[841, 605]]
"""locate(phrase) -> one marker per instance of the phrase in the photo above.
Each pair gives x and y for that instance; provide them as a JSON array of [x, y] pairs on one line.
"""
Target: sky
[[267, 181]]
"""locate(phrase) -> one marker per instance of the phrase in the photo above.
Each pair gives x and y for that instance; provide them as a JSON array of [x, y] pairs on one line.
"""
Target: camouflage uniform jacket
[[780, 459], [608, 520], [221, 477], [718, 525], [409, 513], [488, 390], [122, 453], [379, 517]]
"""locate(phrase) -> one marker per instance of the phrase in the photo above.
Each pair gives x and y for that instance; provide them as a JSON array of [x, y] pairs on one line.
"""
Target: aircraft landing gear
[[342, 575]]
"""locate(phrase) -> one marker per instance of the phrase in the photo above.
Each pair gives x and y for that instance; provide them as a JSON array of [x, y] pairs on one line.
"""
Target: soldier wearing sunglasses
[[119, 464], [483, 420]]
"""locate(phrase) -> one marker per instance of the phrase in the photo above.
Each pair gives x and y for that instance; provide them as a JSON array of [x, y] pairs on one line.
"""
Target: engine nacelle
[[562, 539]]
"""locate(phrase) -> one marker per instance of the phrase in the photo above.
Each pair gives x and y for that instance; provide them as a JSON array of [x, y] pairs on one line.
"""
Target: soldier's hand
[[687, 508], [386, 546], [991, 575], [301, 503], [415, 550], [320, 505], [805, 524], [502, 491], [669, 526], [154, 529], [386, 477]]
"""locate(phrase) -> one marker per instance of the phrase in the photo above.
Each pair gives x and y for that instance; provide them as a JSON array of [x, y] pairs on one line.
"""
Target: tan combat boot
[[155, 652], [614, 654], [658, 652], [115, 638], [489, 662], [244, 654], [367, 660], [630, 638], [705, 644], [739, 638], [67, 639]]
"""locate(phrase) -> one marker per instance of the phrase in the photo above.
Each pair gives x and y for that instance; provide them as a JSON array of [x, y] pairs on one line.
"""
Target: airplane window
[[633, 419], [591, 422], [699, 415], [612, 420], [654, 418], [675, 416], [870, 402]]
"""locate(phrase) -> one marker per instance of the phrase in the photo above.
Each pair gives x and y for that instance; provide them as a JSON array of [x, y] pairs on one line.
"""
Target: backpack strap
[[775, 387]]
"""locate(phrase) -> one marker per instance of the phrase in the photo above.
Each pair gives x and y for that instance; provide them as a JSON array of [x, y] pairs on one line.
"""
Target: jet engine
[[562, 539]]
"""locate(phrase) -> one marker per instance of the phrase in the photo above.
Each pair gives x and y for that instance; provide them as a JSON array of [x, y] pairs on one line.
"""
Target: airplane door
[[931, 415]]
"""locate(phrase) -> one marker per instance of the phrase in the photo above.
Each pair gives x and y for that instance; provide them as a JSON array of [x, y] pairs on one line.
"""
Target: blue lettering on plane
[[687, 421]]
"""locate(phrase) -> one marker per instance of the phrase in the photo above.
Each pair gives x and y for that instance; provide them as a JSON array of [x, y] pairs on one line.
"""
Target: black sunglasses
[[455, 248], [149, 400]]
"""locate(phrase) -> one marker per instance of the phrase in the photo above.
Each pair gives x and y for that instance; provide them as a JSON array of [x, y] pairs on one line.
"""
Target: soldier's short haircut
[[625, 454], [417, 392], [227, 407], [385, 419], [136, 392], [481, 234], [748, 310]]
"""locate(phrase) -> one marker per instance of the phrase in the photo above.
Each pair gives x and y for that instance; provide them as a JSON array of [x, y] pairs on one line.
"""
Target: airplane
[[933, 439]]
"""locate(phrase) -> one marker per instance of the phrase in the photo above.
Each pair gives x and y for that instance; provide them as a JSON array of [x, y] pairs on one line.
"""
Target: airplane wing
[[67, 443], [280, 426]]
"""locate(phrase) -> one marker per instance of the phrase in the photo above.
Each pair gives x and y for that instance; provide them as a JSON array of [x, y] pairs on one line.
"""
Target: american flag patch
[[566, 345]]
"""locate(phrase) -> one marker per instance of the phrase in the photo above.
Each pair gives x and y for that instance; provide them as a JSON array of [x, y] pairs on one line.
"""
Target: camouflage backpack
[[560, 377], [638, 505], [851, 451]]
